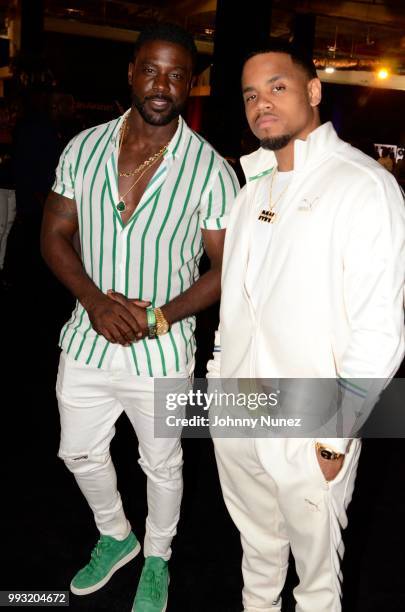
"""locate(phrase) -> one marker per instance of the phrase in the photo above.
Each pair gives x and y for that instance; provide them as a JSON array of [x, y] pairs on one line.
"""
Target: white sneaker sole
[[163, 609], [117, 566]]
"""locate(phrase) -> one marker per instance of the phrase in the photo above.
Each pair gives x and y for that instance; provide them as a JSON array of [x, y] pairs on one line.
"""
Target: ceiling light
[[383, 73], [73, 12]]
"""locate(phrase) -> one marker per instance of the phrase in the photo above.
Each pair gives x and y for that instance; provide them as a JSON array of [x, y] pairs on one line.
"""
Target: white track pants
[[277, 497], [90, 401]]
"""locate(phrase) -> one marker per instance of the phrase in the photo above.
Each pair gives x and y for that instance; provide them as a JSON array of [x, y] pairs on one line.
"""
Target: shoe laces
[[97, 552], [152, 583]]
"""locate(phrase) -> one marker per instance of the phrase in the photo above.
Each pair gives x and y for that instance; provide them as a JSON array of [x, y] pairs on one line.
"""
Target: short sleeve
[[65, 181], [218, 198]]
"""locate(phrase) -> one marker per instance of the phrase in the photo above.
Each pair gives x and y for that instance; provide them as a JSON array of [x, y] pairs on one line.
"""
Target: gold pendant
[[269, 216]]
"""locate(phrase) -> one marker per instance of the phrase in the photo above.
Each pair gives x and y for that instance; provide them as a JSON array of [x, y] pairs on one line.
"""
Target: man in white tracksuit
[[312, 287]]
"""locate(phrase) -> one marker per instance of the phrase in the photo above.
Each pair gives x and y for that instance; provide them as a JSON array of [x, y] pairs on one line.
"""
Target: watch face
[[152, 332]]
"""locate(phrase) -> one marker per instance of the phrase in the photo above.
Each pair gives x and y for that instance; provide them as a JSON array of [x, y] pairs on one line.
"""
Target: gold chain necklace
[[121, 206], [141, 169], [145, 163], [269, 216]]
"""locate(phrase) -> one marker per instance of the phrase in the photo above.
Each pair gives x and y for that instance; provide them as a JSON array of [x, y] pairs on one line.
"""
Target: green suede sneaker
[[151, 595], [107, 556]]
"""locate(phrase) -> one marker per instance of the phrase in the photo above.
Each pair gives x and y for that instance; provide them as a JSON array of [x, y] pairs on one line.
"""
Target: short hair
[[298, 56], [170, 32]]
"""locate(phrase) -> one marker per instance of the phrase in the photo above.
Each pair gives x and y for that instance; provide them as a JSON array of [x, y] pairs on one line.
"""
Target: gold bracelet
[[162, 325]]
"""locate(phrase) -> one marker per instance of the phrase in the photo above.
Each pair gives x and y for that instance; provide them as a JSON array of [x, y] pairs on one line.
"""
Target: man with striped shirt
[[146, 194]]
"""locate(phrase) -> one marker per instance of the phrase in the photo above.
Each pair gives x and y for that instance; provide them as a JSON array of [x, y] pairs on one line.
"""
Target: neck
[[285, 156], [143, 133]]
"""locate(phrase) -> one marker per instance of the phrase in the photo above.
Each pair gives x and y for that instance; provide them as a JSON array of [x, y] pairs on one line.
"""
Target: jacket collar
[[307, 153]]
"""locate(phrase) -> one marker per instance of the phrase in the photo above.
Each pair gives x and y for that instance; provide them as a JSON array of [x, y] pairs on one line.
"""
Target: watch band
[[327, 453], [162, 325], [151, 319]]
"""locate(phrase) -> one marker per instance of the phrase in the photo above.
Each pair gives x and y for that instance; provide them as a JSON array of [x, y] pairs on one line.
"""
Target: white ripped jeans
[[90, 402]]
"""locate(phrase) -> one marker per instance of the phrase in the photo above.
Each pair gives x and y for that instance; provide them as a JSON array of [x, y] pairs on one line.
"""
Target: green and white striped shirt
[[155, 255]]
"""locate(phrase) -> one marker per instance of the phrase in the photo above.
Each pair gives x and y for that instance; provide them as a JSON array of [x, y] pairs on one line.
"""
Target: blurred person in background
[[385, 159], [7, 203]]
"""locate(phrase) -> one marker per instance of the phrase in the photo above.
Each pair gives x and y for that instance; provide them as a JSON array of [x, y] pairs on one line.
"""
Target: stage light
[[329, 69]]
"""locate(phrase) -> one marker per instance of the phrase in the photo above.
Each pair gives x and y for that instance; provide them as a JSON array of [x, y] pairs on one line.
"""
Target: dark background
[[47, 529]]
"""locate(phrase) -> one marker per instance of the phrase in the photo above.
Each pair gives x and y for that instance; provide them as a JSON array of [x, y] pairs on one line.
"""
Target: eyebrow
[[154, 63], [274, 78]]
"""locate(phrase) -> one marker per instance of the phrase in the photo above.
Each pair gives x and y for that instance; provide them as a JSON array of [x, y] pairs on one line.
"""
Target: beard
[[155, 117], [276, 143]]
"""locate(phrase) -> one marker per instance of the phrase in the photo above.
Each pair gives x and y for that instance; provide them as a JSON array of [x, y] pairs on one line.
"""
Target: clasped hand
[[119, 319]]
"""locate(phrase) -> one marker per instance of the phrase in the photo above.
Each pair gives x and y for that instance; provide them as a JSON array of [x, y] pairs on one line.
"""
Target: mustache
[[158, 97]]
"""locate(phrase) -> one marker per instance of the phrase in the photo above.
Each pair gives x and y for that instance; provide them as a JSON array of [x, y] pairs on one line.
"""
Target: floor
[[48, 530]]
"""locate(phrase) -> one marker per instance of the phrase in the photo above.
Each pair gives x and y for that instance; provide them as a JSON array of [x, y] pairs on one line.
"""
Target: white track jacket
[[333, 283]]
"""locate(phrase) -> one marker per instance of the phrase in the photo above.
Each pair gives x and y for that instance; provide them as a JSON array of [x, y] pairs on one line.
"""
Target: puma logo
[[308, 204], [314, 507]]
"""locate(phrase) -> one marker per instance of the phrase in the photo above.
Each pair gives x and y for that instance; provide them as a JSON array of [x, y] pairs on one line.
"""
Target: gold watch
[[327, 453], [162, 325]]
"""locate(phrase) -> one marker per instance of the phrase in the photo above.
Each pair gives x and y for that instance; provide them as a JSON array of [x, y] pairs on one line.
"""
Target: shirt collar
[[115, 137], [176, 144]]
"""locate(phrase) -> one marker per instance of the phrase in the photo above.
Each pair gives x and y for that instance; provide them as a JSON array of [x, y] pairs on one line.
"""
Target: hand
[[112, 320], [330, 467], [137, 308]]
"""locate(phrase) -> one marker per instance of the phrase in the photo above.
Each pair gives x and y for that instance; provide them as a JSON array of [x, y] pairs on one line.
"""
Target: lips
[[158, 103], [266, 121]]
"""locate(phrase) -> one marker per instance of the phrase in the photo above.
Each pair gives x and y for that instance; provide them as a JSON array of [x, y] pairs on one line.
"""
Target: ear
[[314, 92], [130, 71]]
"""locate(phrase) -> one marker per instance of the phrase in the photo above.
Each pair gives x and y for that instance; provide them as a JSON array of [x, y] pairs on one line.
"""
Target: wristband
[[151, 319], [162, 325]]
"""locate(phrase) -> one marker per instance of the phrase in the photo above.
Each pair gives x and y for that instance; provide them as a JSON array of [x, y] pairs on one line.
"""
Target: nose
[[161, 83], [264, 102]]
